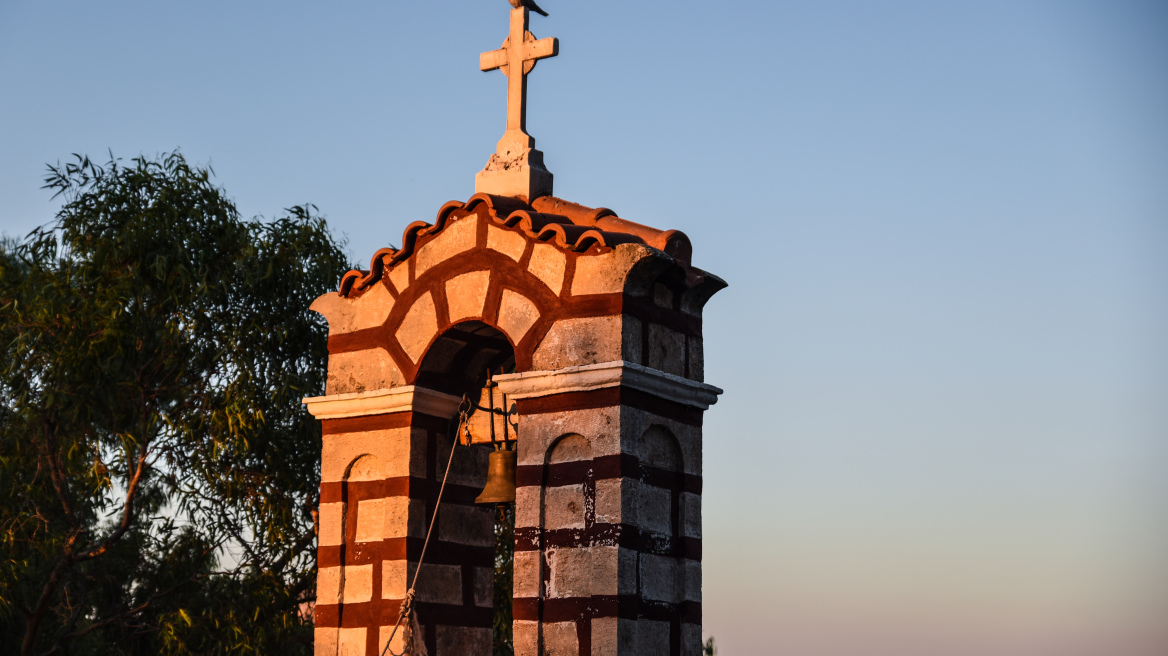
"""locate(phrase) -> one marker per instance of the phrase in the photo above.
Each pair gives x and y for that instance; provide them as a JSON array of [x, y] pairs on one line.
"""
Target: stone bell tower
[[600, 319]]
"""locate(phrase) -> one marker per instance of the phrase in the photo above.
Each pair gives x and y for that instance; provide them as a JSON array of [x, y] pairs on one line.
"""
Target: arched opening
[[460, 362]]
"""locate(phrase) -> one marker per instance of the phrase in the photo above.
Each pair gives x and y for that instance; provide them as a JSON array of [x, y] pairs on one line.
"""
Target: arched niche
[[660, 509], [361, 519], [566, 499], [567, 512]]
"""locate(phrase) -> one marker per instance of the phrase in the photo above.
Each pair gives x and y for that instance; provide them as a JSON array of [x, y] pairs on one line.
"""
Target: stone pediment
[[567, 285], [568, 226]]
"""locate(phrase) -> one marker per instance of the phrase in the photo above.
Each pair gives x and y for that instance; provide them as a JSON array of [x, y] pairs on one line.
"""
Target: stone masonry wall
[[380, 477], [608, 526], [608, 507]]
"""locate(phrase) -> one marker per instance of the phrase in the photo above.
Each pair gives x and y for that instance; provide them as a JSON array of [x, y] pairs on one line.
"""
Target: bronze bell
[[500, 487]]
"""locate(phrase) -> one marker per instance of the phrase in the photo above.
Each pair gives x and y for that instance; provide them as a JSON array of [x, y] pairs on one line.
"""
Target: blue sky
[[944, 225]]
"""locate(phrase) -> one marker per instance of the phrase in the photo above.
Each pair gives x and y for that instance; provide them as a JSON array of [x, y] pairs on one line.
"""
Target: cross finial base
[[520, 175]]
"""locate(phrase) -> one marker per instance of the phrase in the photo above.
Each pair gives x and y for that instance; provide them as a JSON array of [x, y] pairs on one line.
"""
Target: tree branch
[[127, 506], [55, 474], [301, 544], [32, 625]]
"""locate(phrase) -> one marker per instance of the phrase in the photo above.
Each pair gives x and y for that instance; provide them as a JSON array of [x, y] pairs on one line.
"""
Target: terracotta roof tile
[[568, 225]]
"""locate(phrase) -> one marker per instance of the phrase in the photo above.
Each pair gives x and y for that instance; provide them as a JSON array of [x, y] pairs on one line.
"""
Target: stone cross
[[516, 168], [516, 59]]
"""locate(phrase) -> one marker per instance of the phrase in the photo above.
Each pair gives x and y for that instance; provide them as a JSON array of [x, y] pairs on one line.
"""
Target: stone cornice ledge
[[618, 373], [408, 398]]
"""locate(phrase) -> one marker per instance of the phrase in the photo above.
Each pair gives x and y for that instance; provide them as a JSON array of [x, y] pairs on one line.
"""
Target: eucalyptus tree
[[157, 470]]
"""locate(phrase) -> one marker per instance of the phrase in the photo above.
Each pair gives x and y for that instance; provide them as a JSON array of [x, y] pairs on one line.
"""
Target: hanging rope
[[414, 646]]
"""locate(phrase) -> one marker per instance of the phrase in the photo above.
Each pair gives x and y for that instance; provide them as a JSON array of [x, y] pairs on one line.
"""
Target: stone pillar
[[383, 457], [608, 511]]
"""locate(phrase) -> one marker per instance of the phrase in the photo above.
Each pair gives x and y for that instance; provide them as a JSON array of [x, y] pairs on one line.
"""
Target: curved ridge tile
[[499, 205], [409, 236], [533, 223], [554, 233], [587, 239], [360, 279], [446, 210], [675, 244], [349, 279], [599, 213], [570, 226]]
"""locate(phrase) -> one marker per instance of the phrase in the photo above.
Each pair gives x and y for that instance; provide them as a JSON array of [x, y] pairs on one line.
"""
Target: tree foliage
[[158, 473], [502, 629]]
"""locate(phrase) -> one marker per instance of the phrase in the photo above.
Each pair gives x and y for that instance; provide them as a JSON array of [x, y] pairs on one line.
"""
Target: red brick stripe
[[361, 553], [608, 397], [604, 467], [439, 552], [623, 606], [569, 401], [623, 535], [384, 612], [685, 414], [333, 492], [649, 312], [367, 423], [400, 486]]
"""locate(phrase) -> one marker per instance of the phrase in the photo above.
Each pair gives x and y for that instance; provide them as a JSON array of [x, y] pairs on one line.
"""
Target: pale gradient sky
[[944, 225]]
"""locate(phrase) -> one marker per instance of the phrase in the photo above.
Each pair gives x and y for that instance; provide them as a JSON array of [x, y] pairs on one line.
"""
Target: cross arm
[[489, 61], [549, 47]]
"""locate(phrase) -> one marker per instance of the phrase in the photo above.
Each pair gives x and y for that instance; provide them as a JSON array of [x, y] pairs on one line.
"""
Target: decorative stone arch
[[603, 317], [563, 294]]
